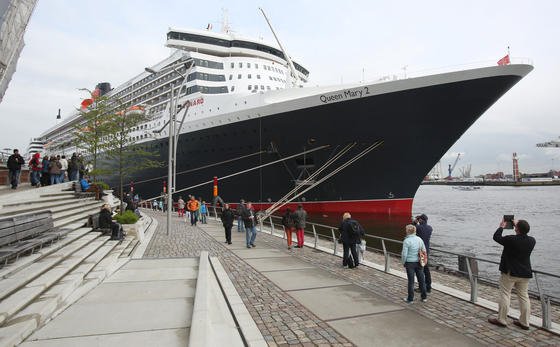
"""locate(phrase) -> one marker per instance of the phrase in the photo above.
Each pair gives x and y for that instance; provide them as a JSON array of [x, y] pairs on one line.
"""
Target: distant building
[[14, 16]]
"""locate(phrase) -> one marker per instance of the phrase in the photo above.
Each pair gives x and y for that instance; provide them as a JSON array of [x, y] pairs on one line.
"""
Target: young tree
[[119, 146], [89, 132]]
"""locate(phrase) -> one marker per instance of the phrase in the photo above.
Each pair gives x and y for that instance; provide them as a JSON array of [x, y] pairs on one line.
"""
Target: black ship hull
[[416, 126]]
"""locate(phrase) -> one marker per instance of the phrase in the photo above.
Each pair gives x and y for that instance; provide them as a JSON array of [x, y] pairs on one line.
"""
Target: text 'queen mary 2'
[[247, 110]]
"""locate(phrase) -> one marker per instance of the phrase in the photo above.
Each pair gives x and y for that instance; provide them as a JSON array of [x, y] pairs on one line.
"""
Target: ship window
[[262, 87], [270, 78], [239, 76], [256, 87], [232, 88], [230, 77], [248, 65], [268, 87], [259, 77], [249, 76], [232, 65], [249, 87], [240, 65]]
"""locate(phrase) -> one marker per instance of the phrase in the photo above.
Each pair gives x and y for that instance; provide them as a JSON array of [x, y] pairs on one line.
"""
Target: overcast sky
[[72, 44]]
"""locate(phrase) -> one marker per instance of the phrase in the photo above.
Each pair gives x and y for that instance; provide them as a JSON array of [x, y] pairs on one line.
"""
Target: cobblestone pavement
[[281, 319], [443, 276]]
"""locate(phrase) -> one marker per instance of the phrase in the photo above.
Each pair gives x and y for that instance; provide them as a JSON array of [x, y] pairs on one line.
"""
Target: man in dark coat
[[424, 231], [515, 268], [349, 239], [227, 220], [15, 161], [250, 223]]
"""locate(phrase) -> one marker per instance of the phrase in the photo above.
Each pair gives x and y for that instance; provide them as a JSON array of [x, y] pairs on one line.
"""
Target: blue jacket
[[203, 208], [411, 245], [424, 231]]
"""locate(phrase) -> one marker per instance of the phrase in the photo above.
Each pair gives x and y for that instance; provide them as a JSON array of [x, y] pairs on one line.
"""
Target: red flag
[[504, 60]]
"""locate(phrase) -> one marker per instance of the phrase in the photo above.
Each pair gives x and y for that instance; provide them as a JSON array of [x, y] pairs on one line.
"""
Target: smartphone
[[508, 218]]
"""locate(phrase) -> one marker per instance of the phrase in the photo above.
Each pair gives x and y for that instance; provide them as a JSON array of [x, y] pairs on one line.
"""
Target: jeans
[[194, 218], [54, 178], [35, 177], [250, 235], [428, 277], [411, 270], [507, 282], [240, 226], [61, 177], [288, 231], [203, 217], [13, 176]]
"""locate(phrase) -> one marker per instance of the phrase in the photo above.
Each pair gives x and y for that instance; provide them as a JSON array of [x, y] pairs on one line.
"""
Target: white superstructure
[[228, 71]]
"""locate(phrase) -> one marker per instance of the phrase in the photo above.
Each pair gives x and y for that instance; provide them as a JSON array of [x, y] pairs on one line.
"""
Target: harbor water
[[464, 221]]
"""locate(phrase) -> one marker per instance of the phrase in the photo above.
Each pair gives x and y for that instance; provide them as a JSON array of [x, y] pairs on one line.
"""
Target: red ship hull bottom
[[390, 207]]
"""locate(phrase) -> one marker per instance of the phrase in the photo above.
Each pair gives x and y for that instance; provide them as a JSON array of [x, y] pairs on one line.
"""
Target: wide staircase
[[37, 286]]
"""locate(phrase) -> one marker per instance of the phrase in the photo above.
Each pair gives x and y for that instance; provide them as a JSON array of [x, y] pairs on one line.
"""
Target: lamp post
[[173, 134]]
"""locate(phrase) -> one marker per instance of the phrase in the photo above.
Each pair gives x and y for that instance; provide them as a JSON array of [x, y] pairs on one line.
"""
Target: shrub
[[102, 185], [128, 217]]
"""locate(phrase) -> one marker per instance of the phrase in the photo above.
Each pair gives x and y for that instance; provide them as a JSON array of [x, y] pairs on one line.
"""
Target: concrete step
[[35, 200], [79, 217], [62, 193], [92, 206], [54, 206], [103, 269], [15, 281], [127, 253], [25, 295], [23, 262]]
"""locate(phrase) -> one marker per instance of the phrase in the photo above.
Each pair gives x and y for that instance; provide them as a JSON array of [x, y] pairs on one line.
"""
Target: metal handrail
[[470, 260]]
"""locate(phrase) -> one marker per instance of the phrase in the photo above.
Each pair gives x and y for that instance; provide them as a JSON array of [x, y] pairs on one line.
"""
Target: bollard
[[472, 270], [545, 305]]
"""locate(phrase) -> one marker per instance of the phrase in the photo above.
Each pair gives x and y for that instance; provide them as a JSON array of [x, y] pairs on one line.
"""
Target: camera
[[508, 218]]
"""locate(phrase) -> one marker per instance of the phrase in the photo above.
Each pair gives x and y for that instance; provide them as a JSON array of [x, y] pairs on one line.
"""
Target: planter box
[[137, 229]]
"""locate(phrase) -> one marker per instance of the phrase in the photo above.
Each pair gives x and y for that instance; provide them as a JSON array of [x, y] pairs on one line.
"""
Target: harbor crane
[[452, 167], [553, 143]]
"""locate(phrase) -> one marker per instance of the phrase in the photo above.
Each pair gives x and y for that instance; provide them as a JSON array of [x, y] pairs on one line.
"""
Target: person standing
[[203, 211], [288, 223], [54, 170], [250, 222], [239, 213], [350, 232], [181, 207], [227, 220], [193, 207], [35, 170], [15, 161], [63, 168], [45, 176], [299, 220], [424, 231], [412, 244], [515, 268], [73, 167]]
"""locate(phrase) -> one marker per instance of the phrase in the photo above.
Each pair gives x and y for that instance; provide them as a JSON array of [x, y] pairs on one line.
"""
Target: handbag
[[422, 255]]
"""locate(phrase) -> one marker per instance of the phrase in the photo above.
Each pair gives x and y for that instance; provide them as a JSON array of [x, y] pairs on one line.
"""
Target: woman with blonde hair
[[412, 244]]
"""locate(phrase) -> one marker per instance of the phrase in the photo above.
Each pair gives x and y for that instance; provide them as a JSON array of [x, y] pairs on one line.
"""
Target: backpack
[[357, 230]]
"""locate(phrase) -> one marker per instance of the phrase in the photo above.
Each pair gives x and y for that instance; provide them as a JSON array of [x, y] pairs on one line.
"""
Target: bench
[[24, 233]]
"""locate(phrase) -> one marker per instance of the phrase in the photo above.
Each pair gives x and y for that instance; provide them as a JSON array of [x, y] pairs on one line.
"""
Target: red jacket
[[35, 162]]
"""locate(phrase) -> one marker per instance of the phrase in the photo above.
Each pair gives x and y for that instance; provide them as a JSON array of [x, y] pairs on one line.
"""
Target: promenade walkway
[[304, 297]]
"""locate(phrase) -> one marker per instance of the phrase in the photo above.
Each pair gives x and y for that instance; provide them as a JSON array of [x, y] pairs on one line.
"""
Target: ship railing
[[326, 238], [404, 73]]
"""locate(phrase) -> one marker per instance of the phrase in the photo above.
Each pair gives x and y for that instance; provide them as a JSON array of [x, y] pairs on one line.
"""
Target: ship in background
[[250, 107]]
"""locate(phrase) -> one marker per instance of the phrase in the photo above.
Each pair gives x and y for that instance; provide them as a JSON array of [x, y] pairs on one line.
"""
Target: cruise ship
[[362, 147]]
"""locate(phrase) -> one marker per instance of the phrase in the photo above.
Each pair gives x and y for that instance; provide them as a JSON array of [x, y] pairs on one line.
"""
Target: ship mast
[[290, 63]]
